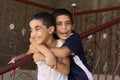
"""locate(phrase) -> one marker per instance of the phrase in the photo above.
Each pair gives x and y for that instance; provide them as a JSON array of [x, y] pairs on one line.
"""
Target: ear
[[51, 29]]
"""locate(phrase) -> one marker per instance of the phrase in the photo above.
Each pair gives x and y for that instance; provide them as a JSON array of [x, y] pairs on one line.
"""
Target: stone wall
[[15, 16]]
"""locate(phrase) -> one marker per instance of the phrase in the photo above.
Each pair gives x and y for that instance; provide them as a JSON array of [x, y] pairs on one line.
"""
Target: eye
[[37, 28], [69, 23], [58, 23]]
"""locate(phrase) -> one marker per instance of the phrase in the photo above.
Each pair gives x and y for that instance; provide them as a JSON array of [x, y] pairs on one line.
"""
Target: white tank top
[[47, 73]]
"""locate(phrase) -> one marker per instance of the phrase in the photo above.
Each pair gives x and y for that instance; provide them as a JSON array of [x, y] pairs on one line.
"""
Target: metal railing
[[100, 33]]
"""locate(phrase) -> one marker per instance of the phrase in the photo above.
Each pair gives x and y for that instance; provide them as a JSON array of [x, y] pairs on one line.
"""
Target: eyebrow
[[35, 27]]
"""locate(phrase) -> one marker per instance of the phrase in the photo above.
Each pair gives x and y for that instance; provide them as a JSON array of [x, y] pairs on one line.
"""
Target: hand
[[12, 60], [35, 45], [51, 61], [32, 41], [33, 49], [38, 57]]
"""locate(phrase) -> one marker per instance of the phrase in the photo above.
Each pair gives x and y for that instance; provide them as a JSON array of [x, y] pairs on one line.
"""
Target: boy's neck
[[51, 43]]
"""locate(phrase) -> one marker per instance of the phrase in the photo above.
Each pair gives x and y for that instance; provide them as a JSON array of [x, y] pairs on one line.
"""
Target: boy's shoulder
[[74, 36], [59, 43]]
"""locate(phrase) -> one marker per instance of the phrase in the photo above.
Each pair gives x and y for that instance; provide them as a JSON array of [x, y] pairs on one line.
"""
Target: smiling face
[[39, 32], [64, 26]]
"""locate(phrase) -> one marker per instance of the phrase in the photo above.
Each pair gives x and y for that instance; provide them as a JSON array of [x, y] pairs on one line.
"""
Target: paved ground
[[31, 75]]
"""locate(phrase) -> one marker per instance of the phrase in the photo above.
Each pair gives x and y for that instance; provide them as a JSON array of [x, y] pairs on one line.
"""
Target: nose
[[64, 26], [33, 33]]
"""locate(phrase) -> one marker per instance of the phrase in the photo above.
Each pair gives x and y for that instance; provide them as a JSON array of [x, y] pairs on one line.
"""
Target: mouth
[[37, 38], [63, 33]]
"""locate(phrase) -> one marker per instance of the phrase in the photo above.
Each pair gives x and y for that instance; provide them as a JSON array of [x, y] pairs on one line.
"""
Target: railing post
[[1, 77], [73, 13], [73, 10], [13, 75]]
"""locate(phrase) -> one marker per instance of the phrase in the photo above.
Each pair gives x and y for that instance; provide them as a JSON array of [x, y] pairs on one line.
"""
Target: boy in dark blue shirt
[[79, 69]]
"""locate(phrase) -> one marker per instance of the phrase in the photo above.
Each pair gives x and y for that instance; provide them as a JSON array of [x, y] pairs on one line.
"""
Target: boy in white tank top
[[49, 66], [42, 28]]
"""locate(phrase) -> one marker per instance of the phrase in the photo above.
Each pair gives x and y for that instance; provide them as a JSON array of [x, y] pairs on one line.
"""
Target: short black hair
[[47, 18], [62, 11]]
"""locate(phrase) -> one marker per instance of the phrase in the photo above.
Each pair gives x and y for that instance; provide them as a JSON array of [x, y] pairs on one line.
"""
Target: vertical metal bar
[[13, 75], [73, 13], [0, 7], [1, 77], [5, 25], [73, 10]]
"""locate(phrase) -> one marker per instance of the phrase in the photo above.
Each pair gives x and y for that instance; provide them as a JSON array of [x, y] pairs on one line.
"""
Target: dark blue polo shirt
[[77, 72]]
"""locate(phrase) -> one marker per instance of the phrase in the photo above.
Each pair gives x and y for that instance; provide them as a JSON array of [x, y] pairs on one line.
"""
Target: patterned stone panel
[[14, 34]]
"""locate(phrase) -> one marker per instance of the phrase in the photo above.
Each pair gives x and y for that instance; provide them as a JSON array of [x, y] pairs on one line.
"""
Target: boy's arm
[[50, 58], [64, 67], [61, 52], [31, 50], [17, 58], [38, 57]]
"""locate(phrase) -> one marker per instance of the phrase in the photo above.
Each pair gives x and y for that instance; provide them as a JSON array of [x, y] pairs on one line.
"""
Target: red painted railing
[[18, 63], [36, 4], [100, 33], [27, 59]]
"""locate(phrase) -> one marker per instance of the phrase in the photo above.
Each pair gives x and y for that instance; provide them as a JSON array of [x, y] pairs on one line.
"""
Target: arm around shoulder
[[61, 52], [64, 66]]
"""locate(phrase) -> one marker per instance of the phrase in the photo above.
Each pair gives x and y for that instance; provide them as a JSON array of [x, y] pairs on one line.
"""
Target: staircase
[[100, 33]]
